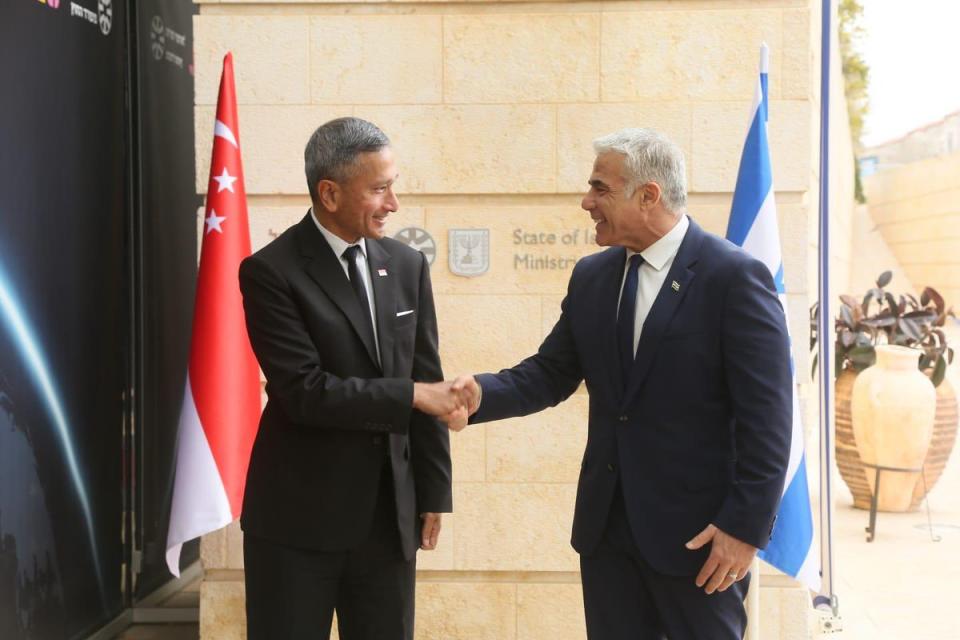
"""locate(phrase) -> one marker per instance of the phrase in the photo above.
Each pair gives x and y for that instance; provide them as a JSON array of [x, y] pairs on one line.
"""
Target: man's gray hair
[[650, 157], [331, 153]]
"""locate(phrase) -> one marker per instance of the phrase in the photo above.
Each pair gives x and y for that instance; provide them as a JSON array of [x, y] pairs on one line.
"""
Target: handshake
[[453, 402]]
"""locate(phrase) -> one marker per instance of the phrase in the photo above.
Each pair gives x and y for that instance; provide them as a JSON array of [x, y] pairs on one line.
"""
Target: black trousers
[[292, 593], [624, 598]]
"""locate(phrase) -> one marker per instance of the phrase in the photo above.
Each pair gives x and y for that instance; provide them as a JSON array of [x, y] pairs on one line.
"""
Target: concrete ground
[[902, 585]]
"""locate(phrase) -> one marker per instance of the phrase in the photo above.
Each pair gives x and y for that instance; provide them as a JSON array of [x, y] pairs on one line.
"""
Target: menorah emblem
[[469, 251]]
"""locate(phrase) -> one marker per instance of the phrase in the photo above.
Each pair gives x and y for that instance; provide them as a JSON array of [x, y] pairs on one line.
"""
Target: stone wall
[[492, 107], [916, 208]]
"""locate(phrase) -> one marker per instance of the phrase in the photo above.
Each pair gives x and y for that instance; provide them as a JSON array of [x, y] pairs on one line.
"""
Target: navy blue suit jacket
[[700, 432]]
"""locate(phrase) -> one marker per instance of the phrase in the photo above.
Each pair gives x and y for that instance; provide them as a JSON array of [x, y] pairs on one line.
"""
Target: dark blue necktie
[[626, 317]]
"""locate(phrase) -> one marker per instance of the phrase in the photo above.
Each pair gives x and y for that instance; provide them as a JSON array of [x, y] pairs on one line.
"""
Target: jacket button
[[610, 467], [623, 418]]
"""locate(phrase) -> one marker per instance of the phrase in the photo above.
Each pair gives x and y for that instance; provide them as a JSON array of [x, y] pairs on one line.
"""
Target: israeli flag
[[753, 226]]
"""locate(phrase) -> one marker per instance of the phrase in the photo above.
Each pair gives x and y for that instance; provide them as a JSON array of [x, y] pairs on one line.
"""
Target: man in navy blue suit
[[682, 342]]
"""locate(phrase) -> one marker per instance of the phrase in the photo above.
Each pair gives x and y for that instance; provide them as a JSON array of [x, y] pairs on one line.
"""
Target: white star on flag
[[213, 222], [225, 181]]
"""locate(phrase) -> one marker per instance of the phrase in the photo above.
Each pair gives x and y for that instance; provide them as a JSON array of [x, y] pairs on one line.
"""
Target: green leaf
[[892, 303], [849, 300], [862, 357], [939, 372], [847, 316], [910, 328]]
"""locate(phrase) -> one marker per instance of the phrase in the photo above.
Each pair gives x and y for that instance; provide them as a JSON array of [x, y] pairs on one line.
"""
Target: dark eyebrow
[[596, 183]]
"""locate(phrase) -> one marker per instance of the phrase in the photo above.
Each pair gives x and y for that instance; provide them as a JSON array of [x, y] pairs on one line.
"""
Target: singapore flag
[[221, 405]]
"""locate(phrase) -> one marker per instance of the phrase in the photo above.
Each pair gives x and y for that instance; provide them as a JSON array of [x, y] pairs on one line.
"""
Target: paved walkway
[[901, 586]]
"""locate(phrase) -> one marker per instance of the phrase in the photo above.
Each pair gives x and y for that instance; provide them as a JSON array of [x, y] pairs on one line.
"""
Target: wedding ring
[[732, 574]]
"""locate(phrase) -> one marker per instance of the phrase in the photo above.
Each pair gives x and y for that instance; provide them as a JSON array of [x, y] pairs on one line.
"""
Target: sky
[[912, 49]]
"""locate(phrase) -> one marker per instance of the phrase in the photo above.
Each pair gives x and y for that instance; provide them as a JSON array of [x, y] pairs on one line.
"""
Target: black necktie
[[356, 281], [627, 316]]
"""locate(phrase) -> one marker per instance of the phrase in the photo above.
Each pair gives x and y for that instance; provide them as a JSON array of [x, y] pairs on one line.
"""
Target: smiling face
[[635, 221], [613, 212], [359, 206]]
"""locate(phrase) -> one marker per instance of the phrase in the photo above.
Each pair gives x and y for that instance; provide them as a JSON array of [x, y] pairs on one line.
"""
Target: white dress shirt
[[339, 245], [657, 260]]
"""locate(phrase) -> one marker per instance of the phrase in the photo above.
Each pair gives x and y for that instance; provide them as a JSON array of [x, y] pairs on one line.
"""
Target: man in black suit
[[349, 473], [682, 342]]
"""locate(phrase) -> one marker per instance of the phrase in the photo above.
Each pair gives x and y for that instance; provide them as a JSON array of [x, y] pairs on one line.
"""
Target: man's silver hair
[[650, 157], [331, 153]]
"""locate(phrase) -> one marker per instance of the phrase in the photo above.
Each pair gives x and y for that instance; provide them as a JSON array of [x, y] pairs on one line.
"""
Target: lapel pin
[[675, 286], [381, 272]]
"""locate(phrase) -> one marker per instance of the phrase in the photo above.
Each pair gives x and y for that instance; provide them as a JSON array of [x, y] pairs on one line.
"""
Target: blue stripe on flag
[[793, 530], [752, 185], [792, 542]]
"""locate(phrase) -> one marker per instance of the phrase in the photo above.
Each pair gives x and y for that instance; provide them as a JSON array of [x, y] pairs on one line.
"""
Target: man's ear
[[649, 194], [328, 193]]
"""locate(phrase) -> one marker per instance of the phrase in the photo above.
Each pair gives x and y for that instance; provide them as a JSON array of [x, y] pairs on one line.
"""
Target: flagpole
[[827, 597]]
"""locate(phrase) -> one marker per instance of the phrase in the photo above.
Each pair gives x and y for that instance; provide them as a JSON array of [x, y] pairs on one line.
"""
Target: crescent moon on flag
[[224, 132]]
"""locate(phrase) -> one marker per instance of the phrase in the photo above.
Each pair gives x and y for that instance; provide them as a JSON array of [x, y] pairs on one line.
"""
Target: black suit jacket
[[700, 432], [331, 410]]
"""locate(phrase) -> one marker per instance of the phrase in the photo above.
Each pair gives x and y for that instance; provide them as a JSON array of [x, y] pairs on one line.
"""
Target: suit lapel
[[671, 295], [385, 295], [326, 270]]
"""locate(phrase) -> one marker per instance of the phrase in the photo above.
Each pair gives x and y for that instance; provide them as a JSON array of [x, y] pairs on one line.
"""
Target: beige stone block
[[936, 276], [550, 612], [498, 58], [545, 447], [945, 253], [267, 223], [713, 218], [922, 229], [441, 558], [550, 309], [213, 550], [719, 129], [796, 61], [466, 611], [486, 332], [222, 610], [376, 59], [532, 249], [785, 611], [405, 217], [918, 202], [699, 55], [580, 124], [270, 56], [272, 139], [223, 548], [468, 450], [792, 220], [471, 149], [514, 527]]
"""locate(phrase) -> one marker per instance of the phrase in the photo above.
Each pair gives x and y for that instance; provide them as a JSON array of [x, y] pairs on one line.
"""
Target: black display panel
[[64, 315], [167, 264]]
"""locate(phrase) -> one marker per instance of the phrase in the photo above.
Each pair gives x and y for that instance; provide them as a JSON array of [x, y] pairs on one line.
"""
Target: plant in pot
[[884, 318]]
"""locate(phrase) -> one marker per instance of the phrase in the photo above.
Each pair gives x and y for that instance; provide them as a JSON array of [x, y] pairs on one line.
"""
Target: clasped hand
[[453, 401]]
